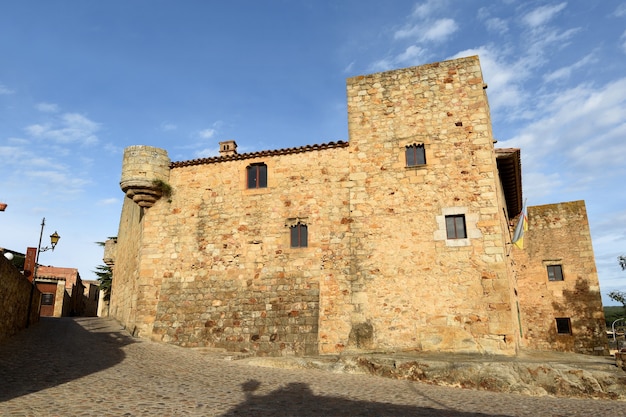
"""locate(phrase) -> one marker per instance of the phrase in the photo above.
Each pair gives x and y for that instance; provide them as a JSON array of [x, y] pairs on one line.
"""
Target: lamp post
[[54, 239]]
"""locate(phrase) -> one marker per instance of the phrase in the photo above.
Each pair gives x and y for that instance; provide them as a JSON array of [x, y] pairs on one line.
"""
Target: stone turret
[[145, 173], [109, 252]]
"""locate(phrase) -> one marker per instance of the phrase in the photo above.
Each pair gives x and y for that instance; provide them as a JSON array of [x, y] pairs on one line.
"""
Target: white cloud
[[108, 201], [538, 185], [553, 37], [410, 56], [542, 15], [381, 65], [581, 128], [440, 30], [206, 133], [504, 80], [407, 32], [429, 7], [564, 73], [207, 152], [608, 244], [47, 107], [12, 154], [69, 128], [620, 11], [58, 180], [166, 127], [437, 31], [18, 141], [497, 25], [4, 90]]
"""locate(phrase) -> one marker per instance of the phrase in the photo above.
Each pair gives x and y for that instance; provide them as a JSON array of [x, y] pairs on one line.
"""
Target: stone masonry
[[559, 235], [16, 291], [204, 259]]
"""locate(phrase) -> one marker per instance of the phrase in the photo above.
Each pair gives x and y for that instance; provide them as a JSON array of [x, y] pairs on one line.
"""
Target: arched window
[[415, 155], [299, 235], [257, 175]]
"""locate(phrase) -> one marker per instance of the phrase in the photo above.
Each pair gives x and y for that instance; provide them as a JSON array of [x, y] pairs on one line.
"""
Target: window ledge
[[422, 166], [256, 190]]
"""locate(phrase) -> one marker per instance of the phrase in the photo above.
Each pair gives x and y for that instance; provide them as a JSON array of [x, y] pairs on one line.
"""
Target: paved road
[[90, 367]]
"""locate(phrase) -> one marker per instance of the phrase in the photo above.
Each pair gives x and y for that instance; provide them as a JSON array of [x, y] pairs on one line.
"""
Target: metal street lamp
[[54, 239]]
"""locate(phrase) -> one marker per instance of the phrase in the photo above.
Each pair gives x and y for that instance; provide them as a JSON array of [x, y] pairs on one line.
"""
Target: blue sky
[[81, 80]]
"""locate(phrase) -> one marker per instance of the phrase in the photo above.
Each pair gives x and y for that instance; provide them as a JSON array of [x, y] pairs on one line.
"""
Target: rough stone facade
[[558, 236], [15, 292], [203, 258]]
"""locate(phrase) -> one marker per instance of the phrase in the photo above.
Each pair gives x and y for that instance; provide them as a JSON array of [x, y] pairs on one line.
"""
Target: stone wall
[[201, 259], [211, 265], [220, 252], [125, 283], [558, 234], [15, 292], [413, 287]]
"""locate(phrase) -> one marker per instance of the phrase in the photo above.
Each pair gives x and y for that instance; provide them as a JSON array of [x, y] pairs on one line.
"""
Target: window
[[415, 155], [563, 325], [47, 299], [257, 175], [299, 236], [455, 227], [555, 273]]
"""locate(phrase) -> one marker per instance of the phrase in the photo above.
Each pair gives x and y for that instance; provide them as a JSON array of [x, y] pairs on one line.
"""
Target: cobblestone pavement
[[90, 367]]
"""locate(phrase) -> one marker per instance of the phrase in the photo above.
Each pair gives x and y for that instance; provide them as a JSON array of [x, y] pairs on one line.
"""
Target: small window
[[257, 175], [47, 299], [555, 273], [415, 155], [455, 227], [299, 236], [563, 325]]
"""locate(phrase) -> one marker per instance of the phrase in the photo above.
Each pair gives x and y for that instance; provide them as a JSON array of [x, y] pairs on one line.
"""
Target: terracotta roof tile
[[242, 156]]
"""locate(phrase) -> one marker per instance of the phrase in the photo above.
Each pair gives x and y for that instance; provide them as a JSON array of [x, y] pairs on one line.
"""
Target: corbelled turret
[[145, 173]]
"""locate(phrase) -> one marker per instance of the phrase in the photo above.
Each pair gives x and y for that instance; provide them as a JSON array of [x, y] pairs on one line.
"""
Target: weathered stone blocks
[[145, 172]]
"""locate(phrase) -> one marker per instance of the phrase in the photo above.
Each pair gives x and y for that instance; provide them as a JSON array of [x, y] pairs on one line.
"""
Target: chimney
[[228, 148]]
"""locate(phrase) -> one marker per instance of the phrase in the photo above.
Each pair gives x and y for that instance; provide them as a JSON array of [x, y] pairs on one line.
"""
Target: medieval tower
[[398, 239]]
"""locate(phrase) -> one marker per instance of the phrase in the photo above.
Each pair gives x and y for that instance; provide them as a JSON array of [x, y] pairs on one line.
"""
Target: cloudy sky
[[81, 80]]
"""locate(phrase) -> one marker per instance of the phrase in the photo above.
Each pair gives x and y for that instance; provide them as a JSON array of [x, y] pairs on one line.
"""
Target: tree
[[105, 276], [619, 296]]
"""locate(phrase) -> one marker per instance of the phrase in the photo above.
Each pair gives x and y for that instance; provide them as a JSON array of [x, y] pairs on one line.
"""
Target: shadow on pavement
[[56, 351], [297, 399]]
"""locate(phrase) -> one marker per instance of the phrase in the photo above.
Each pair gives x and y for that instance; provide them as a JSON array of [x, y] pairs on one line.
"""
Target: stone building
[[558, 288], [92, 298], [62, 291], [399, 239]]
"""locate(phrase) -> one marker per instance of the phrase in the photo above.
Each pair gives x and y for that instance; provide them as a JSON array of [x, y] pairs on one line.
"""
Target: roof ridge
[[256, 154]]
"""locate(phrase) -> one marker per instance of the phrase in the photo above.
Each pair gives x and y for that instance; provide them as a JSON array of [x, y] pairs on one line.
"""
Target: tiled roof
[[510, 170], [70, 275], [237, 157]]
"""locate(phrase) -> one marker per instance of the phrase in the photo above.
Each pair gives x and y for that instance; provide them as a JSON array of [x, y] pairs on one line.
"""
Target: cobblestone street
[[90, 367]]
